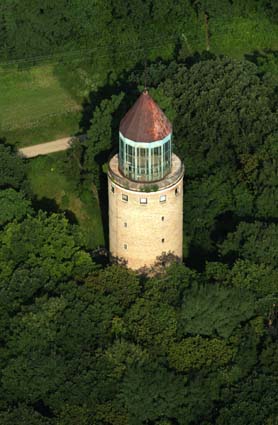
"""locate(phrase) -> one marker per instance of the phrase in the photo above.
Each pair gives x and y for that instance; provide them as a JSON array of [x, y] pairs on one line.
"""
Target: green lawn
[[238, 36], [34, 107], [51, 186]]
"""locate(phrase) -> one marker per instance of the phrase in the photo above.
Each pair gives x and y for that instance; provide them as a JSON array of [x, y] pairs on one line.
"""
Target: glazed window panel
[[129, 154], [142, 163], [167, 157], [121, 147], [156, 156], [121, 152], [129, 165], [156, 163]]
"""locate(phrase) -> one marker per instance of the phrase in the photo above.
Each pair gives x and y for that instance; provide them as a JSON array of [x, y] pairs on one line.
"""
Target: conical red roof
[[145, 121]]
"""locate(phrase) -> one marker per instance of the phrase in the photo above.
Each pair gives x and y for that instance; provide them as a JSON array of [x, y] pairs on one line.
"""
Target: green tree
[[22, 415], [206, 199], [152, 322], [224, 132], [209, 310], [223, 111], [118, 284], [256, 242], [100, 138], [259, 278], [195, 353], [170, 288], [39, 254], [12, 168], [254, 401], [13, 206], [54, 353], [151, 393]]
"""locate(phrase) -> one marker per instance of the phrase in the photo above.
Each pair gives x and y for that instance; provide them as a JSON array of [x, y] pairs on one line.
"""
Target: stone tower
[[145, 186]]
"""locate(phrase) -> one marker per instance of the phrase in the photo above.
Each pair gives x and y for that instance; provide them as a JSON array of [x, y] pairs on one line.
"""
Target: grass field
[[239, 36], [53, 189], [34, 107]]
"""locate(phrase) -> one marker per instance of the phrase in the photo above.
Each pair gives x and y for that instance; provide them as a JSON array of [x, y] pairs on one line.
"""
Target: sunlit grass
[[31, 101]]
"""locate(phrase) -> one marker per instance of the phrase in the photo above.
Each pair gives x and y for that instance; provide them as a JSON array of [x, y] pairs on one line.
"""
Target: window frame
[[142, 201]]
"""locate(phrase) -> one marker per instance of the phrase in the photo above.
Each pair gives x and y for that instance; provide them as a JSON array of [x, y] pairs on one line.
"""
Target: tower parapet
[[175, 174]]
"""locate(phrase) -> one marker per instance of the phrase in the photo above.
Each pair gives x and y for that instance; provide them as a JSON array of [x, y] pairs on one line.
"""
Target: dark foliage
[[194, 344]]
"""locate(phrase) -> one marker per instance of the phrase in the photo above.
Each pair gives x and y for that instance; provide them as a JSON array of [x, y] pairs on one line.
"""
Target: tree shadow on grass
[[258, 55], [51, 206], [70, 216], [45, 204]]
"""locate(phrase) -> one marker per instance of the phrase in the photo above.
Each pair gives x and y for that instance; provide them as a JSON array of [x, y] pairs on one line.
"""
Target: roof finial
[[145, 76]]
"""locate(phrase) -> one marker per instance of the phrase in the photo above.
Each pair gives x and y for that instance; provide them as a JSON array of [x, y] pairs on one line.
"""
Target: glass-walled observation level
[[145, 162]]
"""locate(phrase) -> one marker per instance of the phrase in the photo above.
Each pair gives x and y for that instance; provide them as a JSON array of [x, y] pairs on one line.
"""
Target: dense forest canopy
[[101, 24], [83, 342]]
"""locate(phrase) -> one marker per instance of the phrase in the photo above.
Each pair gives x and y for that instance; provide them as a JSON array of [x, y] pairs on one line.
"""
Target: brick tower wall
[[139, 233]]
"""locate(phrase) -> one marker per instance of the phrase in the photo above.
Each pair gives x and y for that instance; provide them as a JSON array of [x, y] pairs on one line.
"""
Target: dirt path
[[46, 148]]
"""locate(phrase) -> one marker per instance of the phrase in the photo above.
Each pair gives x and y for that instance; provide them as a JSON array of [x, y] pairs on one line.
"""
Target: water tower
[[145, 186]]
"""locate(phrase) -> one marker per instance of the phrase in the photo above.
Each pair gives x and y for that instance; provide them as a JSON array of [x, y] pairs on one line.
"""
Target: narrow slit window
[[143, 201], [125, 246], [162, 218], [177, 191], [162, 198], [125, 224], [162, 240], [124, 198], [112, 189]]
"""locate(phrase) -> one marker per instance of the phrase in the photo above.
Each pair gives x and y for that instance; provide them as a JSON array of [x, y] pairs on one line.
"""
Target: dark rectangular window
[[124, 197]]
